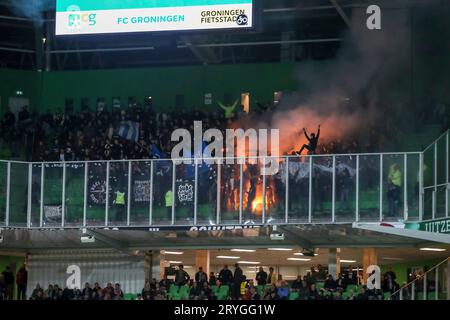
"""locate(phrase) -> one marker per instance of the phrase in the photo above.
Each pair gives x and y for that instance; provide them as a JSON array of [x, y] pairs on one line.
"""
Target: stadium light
[[174, 252], [280, 249], [432, 249], [249, 262], [176, 262], [298, 259], [227, 257], [347, 261], [243, 250]]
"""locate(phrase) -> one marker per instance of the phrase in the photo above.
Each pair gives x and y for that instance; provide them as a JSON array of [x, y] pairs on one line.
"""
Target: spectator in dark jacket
[[21, 281], [181, 276], [8, 279], [225, 276], [261, 277]]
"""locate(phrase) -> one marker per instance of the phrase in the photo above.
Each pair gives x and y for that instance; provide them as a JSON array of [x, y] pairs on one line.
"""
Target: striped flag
[[129, 130]]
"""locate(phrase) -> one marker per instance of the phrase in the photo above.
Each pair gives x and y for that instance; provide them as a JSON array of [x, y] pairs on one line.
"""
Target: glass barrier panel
[[428, 204], [252, 192], [345, 188], [413, 185], [74, 194], [441, 160], [36, 195], [275, 191], [440, 201], [184, 193], [298, 189], [96, 194], [230, 175], [140, 192], [53, 182], [428, 167], [369, 188], [393, 187], [322, 190], [162, 192], [18, 195], [118, 188], [3, 182]]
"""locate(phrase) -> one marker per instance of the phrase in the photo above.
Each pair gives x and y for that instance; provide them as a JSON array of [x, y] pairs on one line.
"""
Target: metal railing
[[433, 284], [340, 188], [436, 167]]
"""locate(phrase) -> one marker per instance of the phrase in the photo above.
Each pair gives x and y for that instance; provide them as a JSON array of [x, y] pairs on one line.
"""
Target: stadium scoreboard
[[124, 16]]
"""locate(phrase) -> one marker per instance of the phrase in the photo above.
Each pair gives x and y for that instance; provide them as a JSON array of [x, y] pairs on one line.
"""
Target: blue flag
[[129, 130]]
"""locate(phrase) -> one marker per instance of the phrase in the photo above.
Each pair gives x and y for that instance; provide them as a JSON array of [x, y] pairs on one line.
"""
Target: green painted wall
[[12, 81], [13, 261], [401, 269], [163, 84], [49, 90]]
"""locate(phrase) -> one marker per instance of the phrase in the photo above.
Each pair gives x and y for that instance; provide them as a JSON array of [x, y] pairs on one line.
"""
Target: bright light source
[[301, 254], [298, 259], [248, 262], [176, 262], [243, 250], [227, 257], [348, 261], [280, 249], [174, 252], [432, 249]]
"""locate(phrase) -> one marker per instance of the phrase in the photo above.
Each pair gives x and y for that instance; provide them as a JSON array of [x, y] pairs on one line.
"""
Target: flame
[[257, 204]]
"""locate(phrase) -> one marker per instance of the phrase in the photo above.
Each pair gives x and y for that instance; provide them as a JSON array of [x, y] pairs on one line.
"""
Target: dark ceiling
[[289, 30]]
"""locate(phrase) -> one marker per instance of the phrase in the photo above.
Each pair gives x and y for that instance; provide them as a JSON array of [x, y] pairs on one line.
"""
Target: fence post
[[286, 205], [381, 187], [30, 185], [8, 192], [357, 190]]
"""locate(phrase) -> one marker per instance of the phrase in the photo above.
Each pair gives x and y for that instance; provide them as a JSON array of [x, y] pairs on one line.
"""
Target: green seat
[[129, 296], [431, 296], [319, 285], [184, 292], [293, 295], [260, 289], [419, 296], [174, 288], [173, 292], [351, 287], [222, 293]]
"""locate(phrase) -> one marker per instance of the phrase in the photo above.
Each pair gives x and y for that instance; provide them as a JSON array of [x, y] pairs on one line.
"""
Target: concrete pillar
[[370, 257], [334, 262], [202, 259], [154, 265]]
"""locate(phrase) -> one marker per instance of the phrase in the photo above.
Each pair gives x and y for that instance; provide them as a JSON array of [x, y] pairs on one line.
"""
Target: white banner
[[235, 16]]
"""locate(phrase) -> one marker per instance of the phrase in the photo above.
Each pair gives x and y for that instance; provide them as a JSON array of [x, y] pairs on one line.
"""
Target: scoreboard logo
[[242, 20], [76, 19]]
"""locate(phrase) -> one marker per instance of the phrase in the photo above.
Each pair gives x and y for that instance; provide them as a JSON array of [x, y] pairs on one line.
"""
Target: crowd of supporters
[[267, 285], [93, 135]]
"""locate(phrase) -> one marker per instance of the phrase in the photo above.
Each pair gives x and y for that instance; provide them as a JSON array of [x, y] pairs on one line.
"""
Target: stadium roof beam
[[341, 12], [292, 236], [417, 234], [115, 244], [17, 50], [263, 43], [206, 55]]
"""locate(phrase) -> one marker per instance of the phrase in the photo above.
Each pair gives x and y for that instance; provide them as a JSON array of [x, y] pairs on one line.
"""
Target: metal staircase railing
[[433, 284]]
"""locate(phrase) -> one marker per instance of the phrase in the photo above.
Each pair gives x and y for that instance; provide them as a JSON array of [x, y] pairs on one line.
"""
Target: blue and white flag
[[129, 130]]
